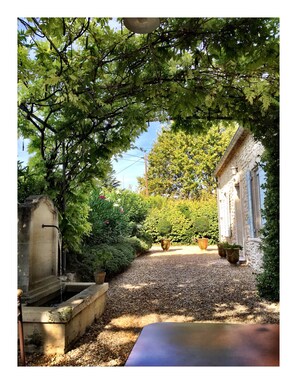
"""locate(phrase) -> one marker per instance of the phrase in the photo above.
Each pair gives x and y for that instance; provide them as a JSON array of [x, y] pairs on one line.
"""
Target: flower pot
[[221, 250], [232, 255], [165, 244], [203, 243], [99, 277]]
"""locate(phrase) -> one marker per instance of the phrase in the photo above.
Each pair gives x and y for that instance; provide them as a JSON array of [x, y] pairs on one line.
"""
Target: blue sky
[[131, 164], [127, 167]]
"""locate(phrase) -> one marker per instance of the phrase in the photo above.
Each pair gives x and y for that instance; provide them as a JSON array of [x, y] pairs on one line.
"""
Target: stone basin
[[54, 330]]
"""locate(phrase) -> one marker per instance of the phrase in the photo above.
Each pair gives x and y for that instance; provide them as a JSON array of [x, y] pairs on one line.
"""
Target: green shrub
[[232, 246], [150, 224], [223, 244], [108, 221], [201, 226], [268, 281], [139, 245], [164, 227], [181, 227], [181, 214], [122, 256], [117, 234], [156, 202], [133, 205], [115, 259]]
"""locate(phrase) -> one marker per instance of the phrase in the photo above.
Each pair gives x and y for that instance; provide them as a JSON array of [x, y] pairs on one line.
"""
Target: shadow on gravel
[[179, 287], [161, 251]]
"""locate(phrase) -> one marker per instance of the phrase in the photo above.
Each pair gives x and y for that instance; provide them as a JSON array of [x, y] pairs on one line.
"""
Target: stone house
[[241, 196]]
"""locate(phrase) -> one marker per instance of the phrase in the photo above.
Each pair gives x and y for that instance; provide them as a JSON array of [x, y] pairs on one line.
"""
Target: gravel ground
[[183, 284]]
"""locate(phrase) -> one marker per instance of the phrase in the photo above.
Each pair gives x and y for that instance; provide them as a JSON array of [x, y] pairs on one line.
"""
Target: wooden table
[[206, 344]]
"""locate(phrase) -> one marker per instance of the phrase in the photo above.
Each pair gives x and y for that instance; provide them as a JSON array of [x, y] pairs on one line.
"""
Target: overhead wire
[[128, 166], [128, 154]]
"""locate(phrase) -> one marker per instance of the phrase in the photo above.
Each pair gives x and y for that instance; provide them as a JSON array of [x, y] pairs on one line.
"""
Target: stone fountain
[[50, 329]]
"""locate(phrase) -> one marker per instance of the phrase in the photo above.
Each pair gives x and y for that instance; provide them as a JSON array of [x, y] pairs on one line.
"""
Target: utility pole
[[145, 175]]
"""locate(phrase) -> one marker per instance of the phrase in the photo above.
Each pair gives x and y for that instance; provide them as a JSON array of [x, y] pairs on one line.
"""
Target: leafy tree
[[69, 103], [182, 165], [29, 183]]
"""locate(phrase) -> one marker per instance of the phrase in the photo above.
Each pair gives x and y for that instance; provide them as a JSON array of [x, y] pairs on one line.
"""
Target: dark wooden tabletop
[[206, 344]]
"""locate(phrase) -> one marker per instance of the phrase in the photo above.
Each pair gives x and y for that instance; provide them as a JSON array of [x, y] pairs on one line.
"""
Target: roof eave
[[236, 140]]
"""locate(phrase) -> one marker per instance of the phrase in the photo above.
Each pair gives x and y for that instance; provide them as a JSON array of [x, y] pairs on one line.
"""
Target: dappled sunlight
[[234, 311], [270, 307], [133, 321], [121, 338], [177, 318], [135, 286], [237, 312], [129, 321]]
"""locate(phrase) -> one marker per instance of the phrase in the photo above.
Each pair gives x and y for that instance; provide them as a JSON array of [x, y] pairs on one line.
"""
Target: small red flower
[[102, 197]]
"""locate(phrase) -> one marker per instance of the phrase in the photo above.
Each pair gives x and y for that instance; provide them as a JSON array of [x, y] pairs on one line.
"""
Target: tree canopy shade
[[86, 90]]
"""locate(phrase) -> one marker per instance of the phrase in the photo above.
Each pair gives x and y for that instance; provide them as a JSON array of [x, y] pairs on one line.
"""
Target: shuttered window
[[256, 194], [262, 181]]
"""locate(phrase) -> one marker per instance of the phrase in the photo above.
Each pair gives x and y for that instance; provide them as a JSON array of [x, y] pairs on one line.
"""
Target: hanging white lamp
[[141, 24]]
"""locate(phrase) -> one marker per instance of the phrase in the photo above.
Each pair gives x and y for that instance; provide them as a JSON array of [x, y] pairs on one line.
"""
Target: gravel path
[[183, 284]]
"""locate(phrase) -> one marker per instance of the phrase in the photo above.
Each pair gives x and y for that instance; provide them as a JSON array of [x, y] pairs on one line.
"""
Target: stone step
[[44, 281], [42, 291]]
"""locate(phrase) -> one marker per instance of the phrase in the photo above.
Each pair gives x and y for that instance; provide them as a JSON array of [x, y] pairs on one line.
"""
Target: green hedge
[[181, 215]]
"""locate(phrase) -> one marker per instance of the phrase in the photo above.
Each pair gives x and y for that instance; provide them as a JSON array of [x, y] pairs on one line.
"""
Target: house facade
[[241, 196]]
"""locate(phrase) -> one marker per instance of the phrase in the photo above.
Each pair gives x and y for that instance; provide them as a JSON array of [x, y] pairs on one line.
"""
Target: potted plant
[[164, 228], [221, 248], [232, 252], [201, 226], [99, 265]]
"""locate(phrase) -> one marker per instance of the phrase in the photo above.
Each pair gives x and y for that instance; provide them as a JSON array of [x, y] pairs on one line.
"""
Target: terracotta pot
[[165, 244], [99, 277], [232, 255], [203, 243], [221, 250]]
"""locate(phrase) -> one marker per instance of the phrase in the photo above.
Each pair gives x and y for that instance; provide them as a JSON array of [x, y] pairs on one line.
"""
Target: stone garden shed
[[241, 195]]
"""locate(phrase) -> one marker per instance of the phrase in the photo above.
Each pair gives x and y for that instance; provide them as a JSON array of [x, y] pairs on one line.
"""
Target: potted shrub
[[99, 266], [221, 248], [232, 252], [164, 228], [201, 226]]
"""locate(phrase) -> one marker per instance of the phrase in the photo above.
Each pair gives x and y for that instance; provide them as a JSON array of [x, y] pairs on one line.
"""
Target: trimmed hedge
[[182, 214]]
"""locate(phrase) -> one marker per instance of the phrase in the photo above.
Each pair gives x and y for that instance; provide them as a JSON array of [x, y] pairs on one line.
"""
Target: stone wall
[[37, 245], [244, 153]]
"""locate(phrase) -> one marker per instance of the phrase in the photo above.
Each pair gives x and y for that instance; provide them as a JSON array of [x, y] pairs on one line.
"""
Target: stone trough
[[53, 330], [50, 329]]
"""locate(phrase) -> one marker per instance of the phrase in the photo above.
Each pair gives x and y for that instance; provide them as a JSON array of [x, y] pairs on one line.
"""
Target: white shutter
[[224, 214]]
